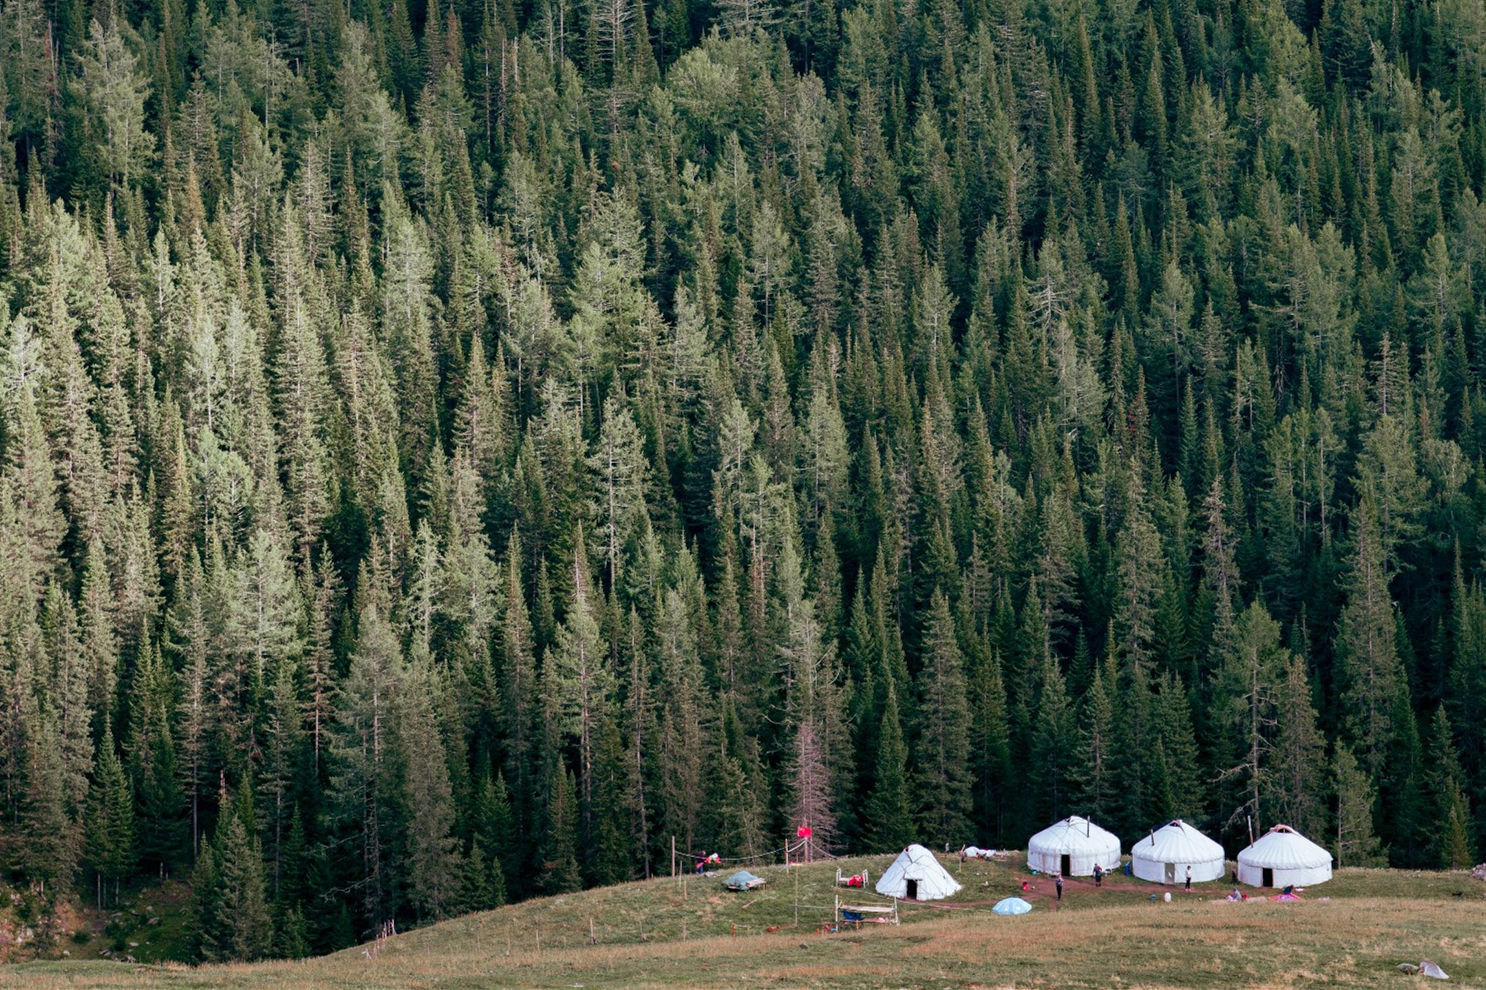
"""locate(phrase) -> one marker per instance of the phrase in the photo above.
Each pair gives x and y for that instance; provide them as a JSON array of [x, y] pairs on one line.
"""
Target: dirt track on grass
[[1043, 890]]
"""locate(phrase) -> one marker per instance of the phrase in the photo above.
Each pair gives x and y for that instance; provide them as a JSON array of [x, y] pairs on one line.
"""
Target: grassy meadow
[[691, 933]]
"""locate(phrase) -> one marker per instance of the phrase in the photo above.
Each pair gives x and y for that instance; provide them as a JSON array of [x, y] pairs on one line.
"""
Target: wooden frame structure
[[844, 879], [860, 914]]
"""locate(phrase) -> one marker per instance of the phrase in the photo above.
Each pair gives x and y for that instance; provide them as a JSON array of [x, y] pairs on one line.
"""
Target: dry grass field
[[666, 933]]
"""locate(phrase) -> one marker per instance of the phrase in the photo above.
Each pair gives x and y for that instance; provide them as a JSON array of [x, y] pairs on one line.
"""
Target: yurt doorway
[[912, 890], [1268, 877], [1171, 873], [1067, 865]]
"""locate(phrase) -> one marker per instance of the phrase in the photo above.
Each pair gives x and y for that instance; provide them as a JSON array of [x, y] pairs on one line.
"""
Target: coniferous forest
[[449, 451]]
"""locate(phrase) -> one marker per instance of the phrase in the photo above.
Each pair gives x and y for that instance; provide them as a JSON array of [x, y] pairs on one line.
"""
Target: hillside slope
[[668, 932]]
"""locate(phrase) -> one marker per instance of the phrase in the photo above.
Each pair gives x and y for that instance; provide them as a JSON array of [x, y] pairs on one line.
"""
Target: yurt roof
[[1283, 848], [1072, 834]]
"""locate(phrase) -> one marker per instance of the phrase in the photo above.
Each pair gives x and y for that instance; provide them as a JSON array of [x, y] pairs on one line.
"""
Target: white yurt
[[1073, 847], [1281, 857], [1168, 852], [916, 876]]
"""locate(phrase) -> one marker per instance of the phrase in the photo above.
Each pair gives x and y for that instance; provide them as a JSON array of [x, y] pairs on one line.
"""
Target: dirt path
[[1043, 890]]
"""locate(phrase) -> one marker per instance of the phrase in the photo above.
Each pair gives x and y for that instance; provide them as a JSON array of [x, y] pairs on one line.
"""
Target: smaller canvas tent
[[916, 876], [1281, 857], [1168, 852], [1073, 847]]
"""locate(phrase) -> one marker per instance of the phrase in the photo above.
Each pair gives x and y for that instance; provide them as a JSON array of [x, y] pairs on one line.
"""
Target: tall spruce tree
[[1450, 811], [888, 816], [358, 805], [943, 750], [1370, 674], [232, 921], [1094, 782], [579, 669], [559, 852], [110, 839], [1356, 836], [812, 707], [433, 864], [1246, 694], [1292, 779]]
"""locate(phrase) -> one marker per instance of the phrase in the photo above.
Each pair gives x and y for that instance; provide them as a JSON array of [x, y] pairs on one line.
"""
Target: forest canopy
[[450, 452]]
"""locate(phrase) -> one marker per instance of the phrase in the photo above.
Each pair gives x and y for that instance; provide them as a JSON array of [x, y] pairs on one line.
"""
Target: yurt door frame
[[1171, 873], [1066, 865], [1268, 877]]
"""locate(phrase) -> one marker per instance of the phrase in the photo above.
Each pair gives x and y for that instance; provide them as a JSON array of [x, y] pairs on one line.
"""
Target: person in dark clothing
[[1059, 884], [1098, 875]]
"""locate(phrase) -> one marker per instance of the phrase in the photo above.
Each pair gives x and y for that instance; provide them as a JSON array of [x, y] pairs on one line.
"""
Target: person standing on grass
[[1058, 882], [1098, 875], [1189, 878]]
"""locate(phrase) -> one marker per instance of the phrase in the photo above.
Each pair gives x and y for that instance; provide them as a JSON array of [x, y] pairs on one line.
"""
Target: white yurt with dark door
[[1073, 847], [916, 876], [1281, 857], [1165, 855]]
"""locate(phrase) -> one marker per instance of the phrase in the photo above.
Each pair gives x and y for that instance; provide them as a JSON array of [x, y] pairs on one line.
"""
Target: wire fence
[[809, 844]]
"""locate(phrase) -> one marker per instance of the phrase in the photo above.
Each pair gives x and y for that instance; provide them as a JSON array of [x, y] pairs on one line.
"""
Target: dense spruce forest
[[449, 452]]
